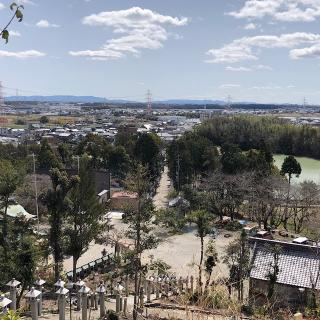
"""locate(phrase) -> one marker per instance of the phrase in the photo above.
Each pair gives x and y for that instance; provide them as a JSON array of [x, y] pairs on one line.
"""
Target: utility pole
[[1, 95], [35, 187], [178, 171]]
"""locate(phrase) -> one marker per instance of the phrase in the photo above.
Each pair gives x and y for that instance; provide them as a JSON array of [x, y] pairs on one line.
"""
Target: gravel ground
[[179, 251]]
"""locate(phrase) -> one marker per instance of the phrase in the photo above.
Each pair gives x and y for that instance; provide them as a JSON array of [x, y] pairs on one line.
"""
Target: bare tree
[[305, 197]]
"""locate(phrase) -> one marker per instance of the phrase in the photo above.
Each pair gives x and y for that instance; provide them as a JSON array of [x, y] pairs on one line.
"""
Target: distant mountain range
[[92, 99], [62, 99]]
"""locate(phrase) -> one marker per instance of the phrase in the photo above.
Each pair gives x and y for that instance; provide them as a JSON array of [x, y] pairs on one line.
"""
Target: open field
[[13, 121]]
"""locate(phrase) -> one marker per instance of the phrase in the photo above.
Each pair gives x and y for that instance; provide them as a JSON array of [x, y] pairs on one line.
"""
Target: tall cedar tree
[[58, 203], [290, 166], [139, 221], [84, 217]]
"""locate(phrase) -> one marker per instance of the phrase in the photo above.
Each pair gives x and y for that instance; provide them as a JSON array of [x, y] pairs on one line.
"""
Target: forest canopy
[[250, 132]]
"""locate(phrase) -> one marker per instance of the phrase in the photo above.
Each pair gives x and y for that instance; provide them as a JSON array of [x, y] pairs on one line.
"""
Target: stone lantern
[[13, 285], [101, 290], [84, 291], [62, 292], [33, 296], [79, 284], [39, 284], [4, 303], [59, 284]]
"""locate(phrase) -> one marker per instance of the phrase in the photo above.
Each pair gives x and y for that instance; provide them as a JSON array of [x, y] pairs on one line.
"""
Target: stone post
[[125, 302], [180, 284], [13, 284], [96, 299], [62, 292], [117, 303], [39, 284], [157, 290], [79, 284], [166, 288], [141, 297], [84, 291], [127, 285], [101, 290], [33, 296], [4, 303], [191, 284], [148, 287], [92, 298]]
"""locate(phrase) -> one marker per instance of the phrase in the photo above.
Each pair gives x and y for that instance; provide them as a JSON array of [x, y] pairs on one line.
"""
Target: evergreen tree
[[139, 220], [58, 203], [10, 178], [47, 159], [84, 216]]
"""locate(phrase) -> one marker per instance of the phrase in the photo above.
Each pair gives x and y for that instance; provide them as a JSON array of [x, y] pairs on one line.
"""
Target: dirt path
[[160, 199]]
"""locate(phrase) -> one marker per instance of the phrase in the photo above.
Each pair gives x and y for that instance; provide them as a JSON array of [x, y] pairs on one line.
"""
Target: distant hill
[[193, 102], [64, 99], [92, 99]]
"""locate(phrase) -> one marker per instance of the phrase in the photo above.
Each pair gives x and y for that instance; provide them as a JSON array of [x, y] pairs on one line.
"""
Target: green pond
[[310, 168]]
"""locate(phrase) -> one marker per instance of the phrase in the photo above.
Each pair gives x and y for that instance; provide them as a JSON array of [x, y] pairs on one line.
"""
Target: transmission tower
[[229, 102], [149, 101], [1, 95], [305, 103]]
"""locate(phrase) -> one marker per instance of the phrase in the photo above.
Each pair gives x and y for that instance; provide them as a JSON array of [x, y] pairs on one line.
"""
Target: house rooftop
[[124, 194], [299, 264]]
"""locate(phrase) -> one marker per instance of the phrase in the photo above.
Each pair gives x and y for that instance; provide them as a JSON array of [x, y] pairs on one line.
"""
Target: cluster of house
[[168, 125]]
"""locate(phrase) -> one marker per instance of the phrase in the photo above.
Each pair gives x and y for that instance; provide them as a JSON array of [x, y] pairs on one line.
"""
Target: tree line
[[249, 132]]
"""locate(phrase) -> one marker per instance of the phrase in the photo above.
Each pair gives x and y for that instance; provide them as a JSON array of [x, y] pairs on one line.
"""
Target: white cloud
[[14, 33], [263, 67], [246, 48], [22, 54], [46, 24], [281, 10], [141, 29], [250, 26], [229, 85], [271, 87], [2, 6], [24, 2], [231, 53], [238, 69], [311, 52], [246, 69]]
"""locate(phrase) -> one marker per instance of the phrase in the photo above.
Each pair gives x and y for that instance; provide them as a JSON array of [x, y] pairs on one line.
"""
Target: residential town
[[159, 160]]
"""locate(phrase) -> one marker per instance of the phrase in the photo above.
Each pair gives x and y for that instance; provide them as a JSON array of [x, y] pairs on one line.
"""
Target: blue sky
[[252, 50]]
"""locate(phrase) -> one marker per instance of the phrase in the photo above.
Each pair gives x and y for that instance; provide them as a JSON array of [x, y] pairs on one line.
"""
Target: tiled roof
[[299, 265]]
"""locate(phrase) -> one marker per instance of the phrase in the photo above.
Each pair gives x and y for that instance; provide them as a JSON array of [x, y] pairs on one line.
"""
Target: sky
[[264, 51]]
